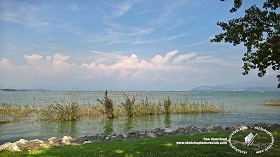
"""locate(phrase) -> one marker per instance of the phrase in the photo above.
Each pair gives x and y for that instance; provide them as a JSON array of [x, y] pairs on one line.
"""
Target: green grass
[[162, 146]]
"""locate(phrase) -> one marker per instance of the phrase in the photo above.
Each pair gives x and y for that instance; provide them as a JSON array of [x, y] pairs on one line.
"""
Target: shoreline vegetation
[[273, 103], [71, 110]]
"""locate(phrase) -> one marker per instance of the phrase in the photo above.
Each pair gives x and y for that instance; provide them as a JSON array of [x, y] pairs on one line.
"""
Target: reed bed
[[14, 112], [71, 110], [273, 103]]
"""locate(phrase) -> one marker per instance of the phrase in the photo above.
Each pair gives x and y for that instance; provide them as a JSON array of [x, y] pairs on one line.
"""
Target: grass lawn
[[161, 146]]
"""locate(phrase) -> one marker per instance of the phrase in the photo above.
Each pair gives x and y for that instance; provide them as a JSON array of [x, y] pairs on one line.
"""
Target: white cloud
[[169, 67], [4, 62], [159, 60], [184, 57], [33, 59], [26, 14], [121, 9]]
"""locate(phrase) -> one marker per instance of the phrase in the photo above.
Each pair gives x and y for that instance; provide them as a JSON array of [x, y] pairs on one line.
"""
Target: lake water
[[240, 107]]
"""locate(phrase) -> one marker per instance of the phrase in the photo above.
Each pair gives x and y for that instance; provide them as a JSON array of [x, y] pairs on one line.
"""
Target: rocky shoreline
[[23, 144]]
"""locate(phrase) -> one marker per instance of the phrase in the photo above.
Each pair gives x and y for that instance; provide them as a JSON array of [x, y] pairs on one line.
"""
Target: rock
[[273, 127], [118, 137], [229, 128], [207, 128], [159, 132], [180, 131], [21, 141], [86, 142], [143, 135], [100, 137], [152, 135], [124, 135], [54, 141], [168, 131], [32, 145], [191, 130], [67, 140], [218, 128], [10, 146], [133, 135], [241, 126]]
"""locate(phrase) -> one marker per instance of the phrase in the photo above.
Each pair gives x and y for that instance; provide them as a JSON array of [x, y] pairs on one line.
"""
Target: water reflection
[[69, 128], [167, 121], [60, 128], [128, 124], [108, 126]]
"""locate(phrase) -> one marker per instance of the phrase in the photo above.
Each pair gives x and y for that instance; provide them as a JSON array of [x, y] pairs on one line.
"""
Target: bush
[[108, 106], [129, 105]]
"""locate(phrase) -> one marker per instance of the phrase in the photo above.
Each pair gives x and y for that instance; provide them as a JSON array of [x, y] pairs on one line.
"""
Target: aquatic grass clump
[[60, 112], [144, 107], [129, 105], [15, 112], [65, 111], [167, 105], [108, 106], [273, 103], [71, 109], [196, 108], [90, 111]]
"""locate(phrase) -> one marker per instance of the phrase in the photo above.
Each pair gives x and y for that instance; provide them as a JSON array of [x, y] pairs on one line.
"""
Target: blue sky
[[119, 45]]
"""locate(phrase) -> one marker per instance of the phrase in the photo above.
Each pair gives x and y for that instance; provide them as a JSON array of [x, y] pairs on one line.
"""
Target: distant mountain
[[228, 88], [14, 90]]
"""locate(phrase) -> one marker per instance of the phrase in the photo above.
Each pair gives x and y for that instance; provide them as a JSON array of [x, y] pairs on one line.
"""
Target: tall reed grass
[[108, 106], [71, 110], [129, 105], [273, 103]]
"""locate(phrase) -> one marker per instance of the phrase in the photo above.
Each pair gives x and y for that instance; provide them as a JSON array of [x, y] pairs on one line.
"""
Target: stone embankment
[[23, 144]]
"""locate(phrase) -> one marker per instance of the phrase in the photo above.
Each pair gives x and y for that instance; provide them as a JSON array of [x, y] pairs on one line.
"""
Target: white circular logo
[[249, 139]]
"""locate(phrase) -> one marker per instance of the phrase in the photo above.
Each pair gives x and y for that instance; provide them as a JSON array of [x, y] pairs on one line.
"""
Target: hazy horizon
[[119, 45]]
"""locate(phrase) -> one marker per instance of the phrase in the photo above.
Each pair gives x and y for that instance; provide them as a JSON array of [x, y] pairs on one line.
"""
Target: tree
[[259, 31]]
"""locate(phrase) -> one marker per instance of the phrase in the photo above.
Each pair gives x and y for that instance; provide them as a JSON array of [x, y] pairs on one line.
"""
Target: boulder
[[86, 142], [218, 128], [21, 141], [33, 144], [151, 134], [207, 128], [67, 140], [168, 131], [124, 135], [159, 132], [10, 146], [54, 141]]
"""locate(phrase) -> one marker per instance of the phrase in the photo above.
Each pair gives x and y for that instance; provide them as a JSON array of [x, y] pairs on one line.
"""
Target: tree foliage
[[259, 31]]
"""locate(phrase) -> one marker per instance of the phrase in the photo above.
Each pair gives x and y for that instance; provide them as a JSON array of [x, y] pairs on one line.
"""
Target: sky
[[119, 45]]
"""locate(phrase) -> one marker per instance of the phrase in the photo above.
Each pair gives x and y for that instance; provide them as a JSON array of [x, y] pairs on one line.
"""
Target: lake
[[240, 107]]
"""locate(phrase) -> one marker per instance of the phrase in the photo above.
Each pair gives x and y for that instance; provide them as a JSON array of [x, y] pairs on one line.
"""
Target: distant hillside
[[14, 90], [224, 88]]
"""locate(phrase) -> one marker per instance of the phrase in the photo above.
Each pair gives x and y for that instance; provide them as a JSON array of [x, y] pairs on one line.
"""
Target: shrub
[[129, 105], [108, 106], [167, 105]]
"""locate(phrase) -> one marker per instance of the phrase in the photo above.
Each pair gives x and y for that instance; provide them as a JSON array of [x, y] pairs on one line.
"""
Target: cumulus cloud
[[159, 67], [4, 62], [159, 60], [184, 57], [33, 59]]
